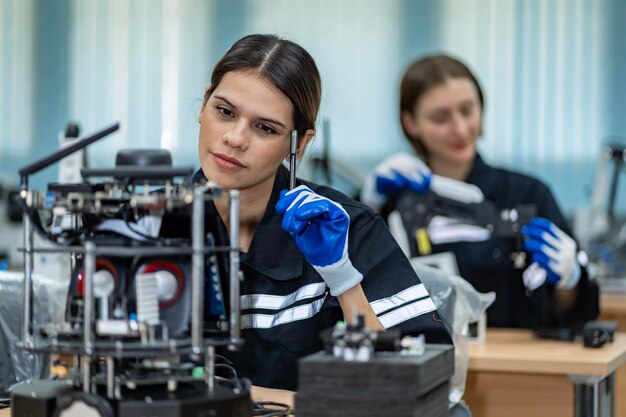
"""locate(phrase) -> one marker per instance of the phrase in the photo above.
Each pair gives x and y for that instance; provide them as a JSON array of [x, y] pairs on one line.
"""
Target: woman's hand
[[319, 226], [554, 251], [398, 172]]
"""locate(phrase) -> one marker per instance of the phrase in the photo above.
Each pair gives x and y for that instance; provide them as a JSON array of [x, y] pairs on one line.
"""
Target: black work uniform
[[285, 302], [487, 265]]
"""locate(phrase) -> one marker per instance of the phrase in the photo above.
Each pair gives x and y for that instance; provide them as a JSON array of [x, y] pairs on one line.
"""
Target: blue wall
[[552, 73]]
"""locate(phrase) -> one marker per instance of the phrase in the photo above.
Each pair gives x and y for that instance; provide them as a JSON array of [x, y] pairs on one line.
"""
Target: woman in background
[[441, 112]]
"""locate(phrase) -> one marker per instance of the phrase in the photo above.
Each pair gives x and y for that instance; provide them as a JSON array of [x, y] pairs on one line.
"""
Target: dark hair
[[285, 65], [428, 72]]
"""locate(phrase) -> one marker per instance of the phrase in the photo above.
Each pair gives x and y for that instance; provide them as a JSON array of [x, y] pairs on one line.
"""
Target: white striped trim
[[277, 302], [410, 294], [407, 312], [266, 321]]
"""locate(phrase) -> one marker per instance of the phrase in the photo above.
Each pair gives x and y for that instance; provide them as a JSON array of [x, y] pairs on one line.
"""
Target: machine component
[[37, 398], [10, 225], [355, 342], [600, 228], [408, 382], [293, 147], [416, 218], [147, 299], [137, 313], [597, 333]]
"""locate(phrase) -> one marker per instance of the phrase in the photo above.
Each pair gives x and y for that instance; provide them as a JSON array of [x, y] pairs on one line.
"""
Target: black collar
[[272, 251], [485, 177], [478, 170]]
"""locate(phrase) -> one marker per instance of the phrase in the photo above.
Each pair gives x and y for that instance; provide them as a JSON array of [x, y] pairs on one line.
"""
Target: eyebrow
[[468, 102], [265, 119]]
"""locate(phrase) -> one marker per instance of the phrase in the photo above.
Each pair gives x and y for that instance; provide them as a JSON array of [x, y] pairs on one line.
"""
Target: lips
[[227, 162], [459, 145]]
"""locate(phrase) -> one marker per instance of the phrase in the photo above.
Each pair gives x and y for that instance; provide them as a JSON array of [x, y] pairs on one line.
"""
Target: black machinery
[[416, 211], [366, 373], [142, 321]]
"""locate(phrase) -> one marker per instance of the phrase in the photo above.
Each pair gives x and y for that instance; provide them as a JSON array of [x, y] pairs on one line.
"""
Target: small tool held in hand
[[293, 145]]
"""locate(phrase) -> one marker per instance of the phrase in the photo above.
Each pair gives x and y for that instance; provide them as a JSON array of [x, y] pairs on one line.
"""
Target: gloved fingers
[[404, 163], [534, 233], [552, 277], [420, 186], [309, 211], [565, 238], [286, 204], [554, 254], [391, 184], [542, 259], [534, 245], [554, 237], [408, 175], [292, 225], [544, 224], [287, 198]]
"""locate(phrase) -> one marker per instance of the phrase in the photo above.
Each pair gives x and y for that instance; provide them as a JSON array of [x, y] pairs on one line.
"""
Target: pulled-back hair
[[285, 65]]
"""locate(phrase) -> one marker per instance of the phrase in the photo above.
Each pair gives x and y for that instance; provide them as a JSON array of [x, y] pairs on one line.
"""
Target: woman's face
[[245, 127], [447, 120]]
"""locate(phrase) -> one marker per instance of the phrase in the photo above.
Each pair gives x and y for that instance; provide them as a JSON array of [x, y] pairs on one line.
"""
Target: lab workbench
[[513, 373]]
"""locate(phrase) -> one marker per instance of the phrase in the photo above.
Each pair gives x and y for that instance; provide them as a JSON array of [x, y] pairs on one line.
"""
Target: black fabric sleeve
[[391, 285]]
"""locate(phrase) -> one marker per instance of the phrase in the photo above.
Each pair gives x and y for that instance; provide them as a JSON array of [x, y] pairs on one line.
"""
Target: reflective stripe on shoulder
[[278, 302], [407, 312], [266, 321], [405, 296]]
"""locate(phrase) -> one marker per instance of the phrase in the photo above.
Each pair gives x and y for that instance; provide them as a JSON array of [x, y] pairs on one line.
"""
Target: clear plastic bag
[[459, 304], [49, 297]]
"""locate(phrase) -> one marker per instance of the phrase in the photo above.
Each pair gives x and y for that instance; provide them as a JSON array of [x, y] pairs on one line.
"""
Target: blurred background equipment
[[601, 227], [319, 166], [10, 226]]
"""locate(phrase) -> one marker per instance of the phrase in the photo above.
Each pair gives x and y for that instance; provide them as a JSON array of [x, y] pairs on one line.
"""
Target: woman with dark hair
[[310, 255], [441, 112]]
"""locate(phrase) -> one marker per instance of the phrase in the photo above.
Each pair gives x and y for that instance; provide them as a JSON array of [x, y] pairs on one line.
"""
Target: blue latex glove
[[319, 226], [552, 250], [398, 172]]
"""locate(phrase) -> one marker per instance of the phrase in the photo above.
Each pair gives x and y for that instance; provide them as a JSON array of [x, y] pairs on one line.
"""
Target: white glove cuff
[[369, 195], [574, 277], [340, 276]]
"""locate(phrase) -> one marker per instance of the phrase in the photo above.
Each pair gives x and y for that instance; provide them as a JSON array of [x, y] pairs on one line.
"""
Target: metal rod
[[235, 330], [28, 274], [74, 255], [293, 147], [325, 159], [68, 150], [90, 268], [88, 326], [619, 163], [110, 378], [197, 271], [86, 372], [209, 367]]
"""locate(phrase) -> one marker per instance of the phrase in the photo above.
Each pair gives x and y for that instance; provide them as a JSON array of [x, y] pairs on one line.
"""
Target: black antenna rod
[[62, 153]]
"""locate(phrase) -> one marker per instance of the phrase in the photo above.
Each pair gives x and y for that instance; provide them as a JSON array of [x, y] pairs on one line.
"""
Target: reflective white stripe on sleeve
[[266, 321], [410, 294], [277, 302], [407, 312]]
